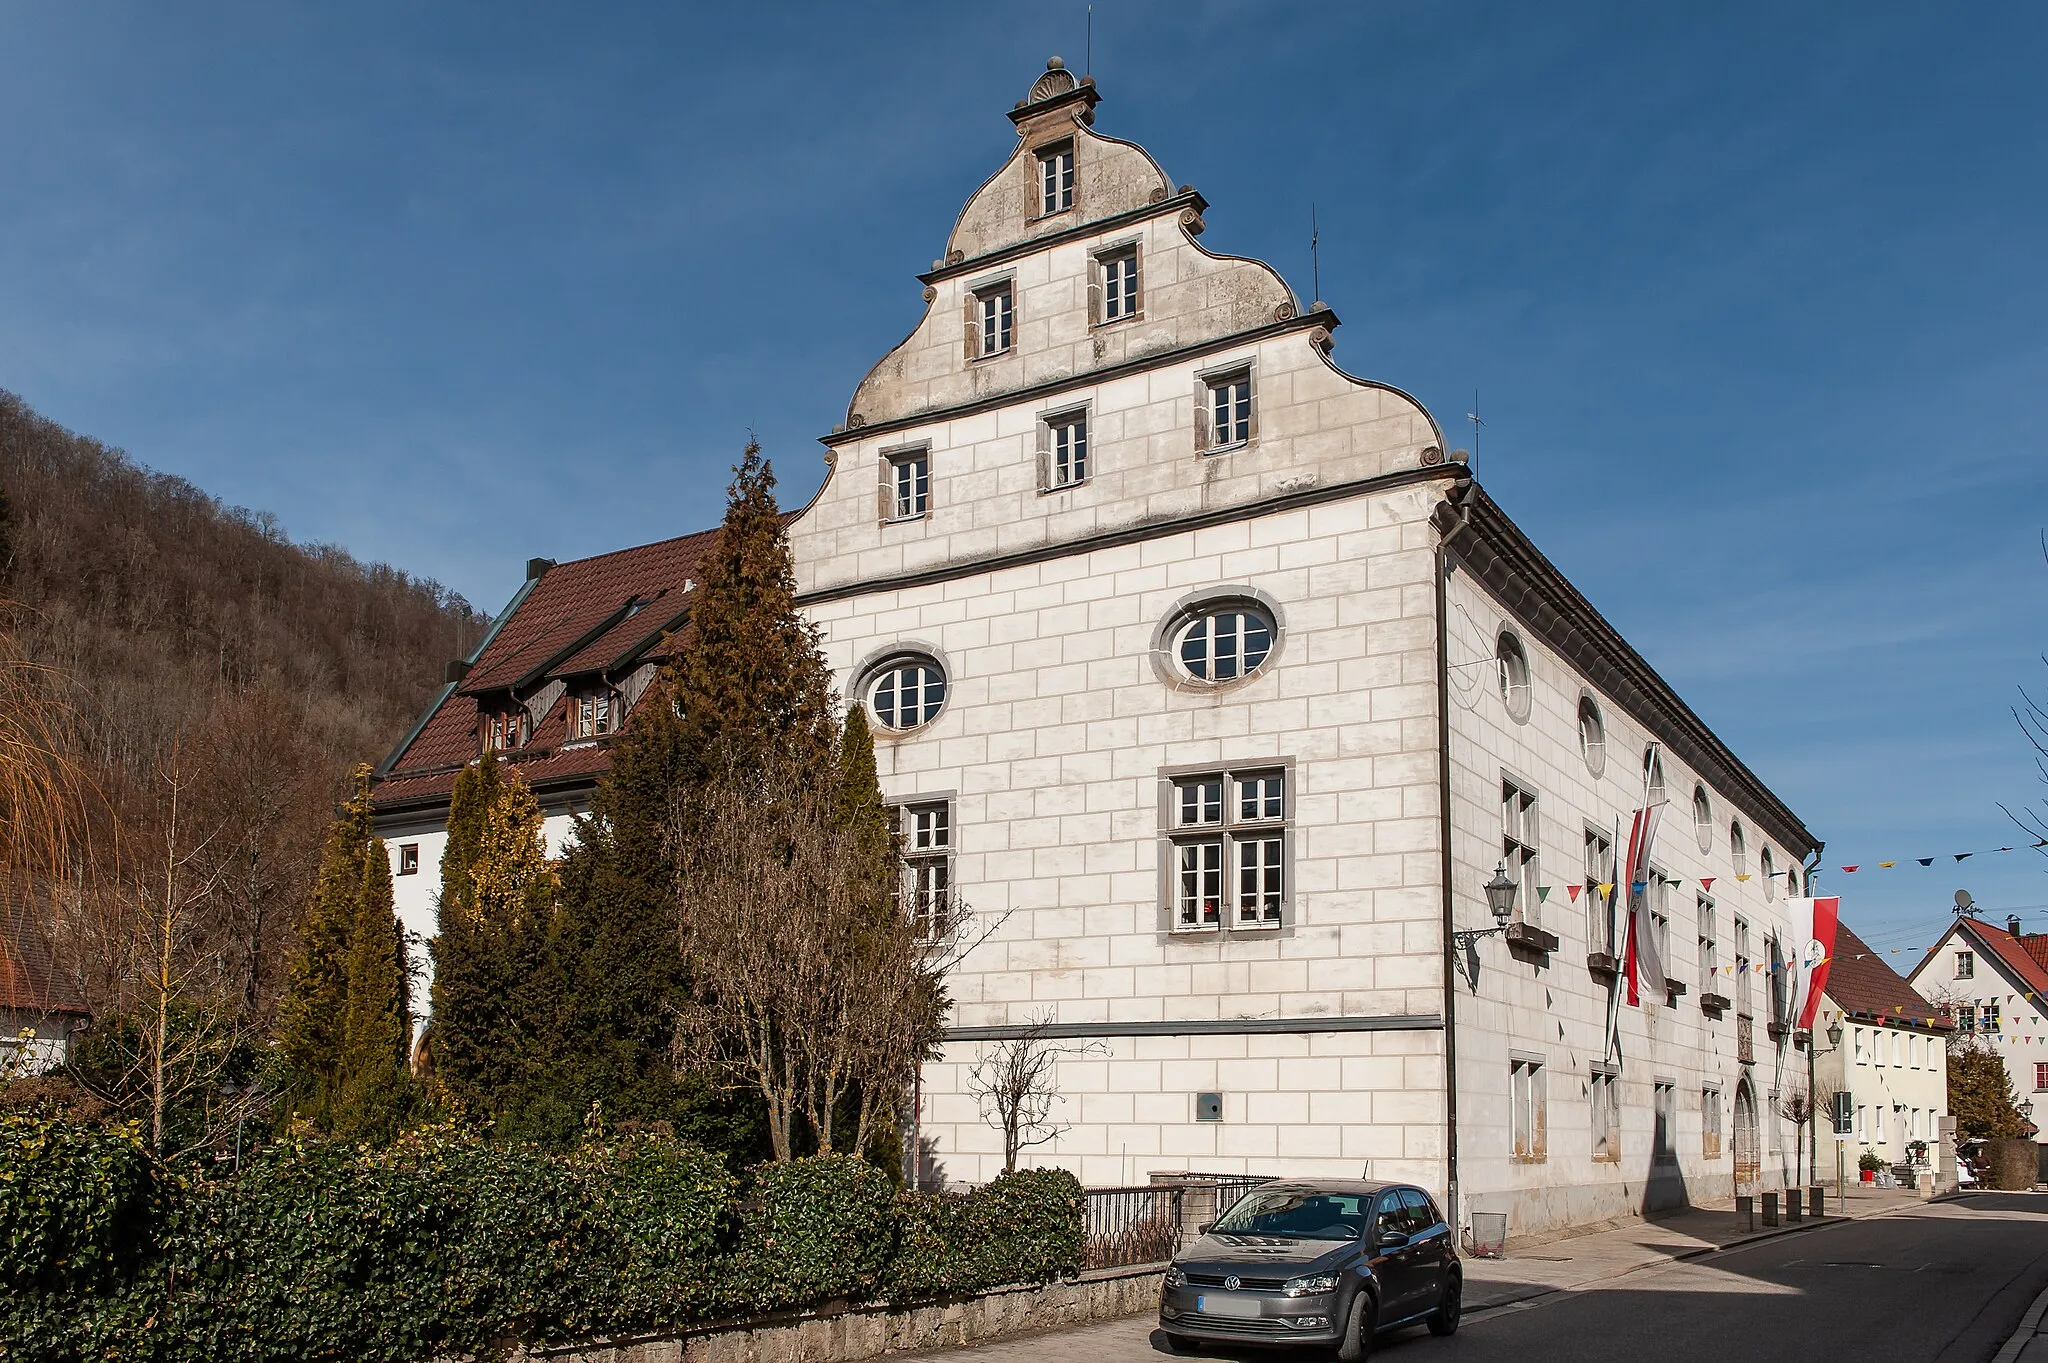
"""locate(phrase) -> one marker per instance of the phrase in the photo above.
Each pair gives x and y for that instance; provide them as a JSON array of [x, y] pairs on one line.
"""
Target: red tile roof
[[2019, 961], [582, 617], [1863, 985], [2036, 945], [30, 981]]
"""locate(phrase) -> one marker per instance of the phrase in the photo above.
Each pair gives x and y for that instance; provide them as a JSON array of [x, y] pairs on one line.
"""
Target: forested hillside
[[215, 671]]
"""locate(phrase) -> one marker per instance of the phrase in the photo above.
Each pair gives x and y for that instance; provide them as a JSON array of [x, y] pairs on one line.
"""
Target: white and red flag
[[1813, 944], [1644, 960]]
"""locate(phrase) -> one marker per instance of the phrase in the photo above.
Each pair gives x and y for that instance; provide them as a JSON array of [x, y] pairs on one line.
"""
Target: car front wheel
[[1444, 1320], [1356, 1345]]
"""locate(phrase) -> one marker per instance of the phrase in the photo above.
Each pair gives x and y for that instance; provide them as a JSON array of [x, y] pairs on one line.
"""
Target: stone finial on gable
[[1056, 96]]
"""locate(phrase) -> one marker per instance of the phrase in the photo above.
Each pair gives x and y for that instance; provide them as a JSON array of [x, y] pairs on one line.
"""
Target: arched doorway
[[1748, 1155]]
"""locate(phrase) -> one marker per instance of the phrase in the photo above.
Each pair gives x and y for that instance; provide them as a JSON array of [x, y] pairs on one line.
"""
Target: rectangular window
[[1664, 1135], [1525, 1087], [1066, 450], [907, 485], [1056, 179], [927, 831], [1599, 907], [1710, 1123], [996, 315], [1119, 284], [1987, 1019], [2041, 1076], [504, 732], [1230, 410], [1228, 834], [1710, 949], [408, 859], [1966, 965], [593, 714], [1518, 845], [1659, 891], [1966, 1017], [1603, 1089], [1856, 1039], [1742, 971]]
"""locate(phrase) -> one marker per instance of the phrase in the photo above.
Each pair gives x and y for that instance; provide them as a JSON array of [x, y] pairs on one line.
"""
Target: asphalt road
[[1946, 1283]]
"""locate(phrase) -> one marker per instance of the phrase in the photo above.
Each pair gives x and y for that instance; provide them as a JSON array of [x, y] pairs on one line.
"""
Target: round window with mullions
[[1224, 642], [905, 693]]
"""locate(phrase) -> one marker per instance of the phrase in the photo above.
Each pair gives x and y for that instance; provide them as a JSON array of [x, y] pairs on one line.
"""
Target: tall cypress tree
[[372, 1080], [747, 673], [312, 1014]]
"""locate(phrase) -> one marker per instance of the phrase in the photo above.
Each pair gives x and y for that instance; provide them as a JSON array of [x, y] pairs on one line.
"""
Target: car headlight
[[1313, 1285], [1174, 1277]]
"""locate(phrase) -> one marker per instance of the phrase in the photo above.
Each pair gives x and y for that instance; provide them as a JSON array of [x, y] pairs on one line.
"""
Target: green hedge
[[445, 1245]]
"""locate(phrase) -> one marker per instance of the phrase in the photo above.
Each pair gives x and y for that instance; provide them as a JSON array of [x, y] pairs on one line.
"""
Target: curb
[[1742, 1242], [2030, 1323]]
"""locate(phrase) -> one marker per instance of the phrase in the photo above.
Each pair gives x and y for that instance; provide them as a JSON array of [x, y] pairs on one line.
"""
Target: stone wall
[[855, 1332]]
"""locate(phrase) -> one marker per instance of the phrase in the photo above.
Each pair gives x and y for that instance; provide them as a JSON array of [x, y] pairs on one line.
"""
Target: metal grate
[[1132, 1225]]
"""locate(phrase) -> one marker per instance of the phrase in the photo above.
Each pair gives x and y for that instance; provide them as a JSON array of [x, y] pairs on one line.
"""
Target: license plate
[[1243, 1308]]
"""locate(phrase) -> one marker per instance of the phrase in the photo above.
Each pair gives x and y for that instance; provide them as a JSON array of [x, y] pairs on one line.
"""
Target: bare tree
[[1014, 1081], [1796, 1107], [807, 980], [2032, 717]]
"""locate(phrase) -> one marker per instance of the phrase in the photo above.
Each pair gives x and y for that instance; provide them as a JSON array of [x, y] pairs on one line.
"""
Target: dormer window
[[1056, 179], [595, 712], [994, 316], [505, 731]]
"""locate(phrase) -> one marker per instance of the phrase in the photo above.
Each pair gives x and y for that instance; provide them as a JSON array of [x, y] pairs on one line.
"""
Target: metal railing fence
[[1148, 1224]]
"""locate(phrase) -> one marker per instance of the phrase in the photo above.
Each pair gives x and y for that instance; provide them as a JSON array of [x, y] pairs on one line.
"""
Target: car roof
[[1330, 1185]]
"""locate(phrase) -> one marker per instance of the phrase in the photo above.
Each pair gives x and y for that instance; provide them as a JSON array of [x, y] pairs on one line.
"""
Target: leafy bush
[[1024, 1227], [445, 1245], [812, 1230]]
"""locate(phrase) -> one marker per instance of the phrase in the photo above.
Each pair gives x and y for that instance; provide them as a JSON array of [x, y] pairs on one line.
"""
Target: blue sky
[[1752, 296]]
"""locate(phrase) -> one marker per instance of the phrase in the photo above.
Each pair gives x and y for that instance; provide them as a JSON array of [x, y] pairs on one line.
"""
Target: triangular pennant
[[1850, 870], [1887, 865], [1638, 887], [1925, 861], [1706, 882], [1607, 888], [1964, 856], [1573, 891], [1742, 877], [1542, 894]]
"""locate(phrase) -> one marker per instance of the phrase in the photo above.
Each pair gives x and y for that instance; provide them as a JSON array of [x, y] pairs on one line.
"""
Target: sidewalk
[[1560, 1265]]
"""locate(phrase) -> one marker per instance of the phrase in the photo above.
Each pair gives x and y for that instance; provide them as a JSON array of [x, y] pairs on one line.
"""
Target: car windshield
[[1297, 1214]]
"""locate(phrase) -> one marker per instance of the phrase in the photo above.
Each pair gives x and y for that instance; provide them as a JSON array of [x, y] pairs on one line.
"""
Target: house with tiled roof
[[1993, 981], [1281, 767], [548, 687], [1893, 1057], [40, 1010]]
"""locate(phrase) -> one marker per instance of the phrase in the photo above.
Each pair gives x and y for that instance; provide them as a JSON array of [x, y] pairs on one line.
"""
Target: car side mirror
[[1392, 1239], [1205, 1228]]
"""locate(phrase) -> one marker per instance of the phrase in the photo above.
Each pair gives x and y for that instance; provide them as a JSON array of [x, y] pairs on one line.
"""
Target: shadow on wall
[[929, 1175]]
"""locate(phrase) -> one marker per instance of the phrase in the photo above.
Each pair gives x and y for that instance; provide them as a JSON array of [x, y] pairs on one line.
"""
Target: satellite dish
[[1963, 901]]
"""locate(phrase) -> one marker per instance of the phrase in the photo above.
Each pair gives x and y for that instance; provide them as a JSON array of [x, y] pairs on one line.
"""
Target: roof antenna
[[1473, 417], [1315, 259], [1088, 48]]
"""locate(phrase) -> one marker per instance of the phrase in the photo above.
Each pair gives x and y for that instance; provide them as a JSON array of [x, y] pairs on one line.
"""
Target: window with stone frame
[[992, 321], [1738, 850], [1659, 892], [1228, 419], [1592, 735], [1527, 1107], [1709, 946], [595, 711], [907, 483], [1227, 847], [1055, 178], [1742, 970], [1599, 870], [1767, 869], [1664, 1128], [1710, 1123], [927, 831], [1063, 449], [1519, 846], [1116, 285], [1603, 1092]]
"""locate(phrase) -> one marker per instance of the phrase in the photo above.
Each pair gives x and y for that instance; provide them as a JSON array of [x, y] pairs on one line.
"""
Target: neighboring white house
[[1893, 1059], [1994, 983], [1208, 676], [40, 1012]]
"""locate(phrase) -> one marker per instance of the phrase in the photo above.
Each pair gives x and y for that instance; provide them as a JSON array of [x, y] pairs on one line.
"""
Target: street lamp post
[[1813, 1054], [1500, 898]]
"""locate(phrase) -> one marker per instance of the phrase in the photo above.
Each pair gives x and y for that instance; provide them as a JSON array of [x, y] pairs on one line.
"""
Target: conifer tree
[[493, 1000], [1980, 1094], [312, 1014], [372, 1080], [747, 673]]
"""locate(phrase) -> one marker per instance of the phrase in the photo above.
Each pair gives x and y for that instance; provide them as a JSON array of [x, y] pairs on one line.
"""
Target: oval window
[[1511, 668], [907, 692], [1225, 643]]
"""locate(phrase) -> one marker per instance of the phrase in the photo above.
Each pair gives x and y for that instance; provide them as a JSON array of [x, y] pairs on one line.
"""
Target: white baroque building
[[1220, 691]]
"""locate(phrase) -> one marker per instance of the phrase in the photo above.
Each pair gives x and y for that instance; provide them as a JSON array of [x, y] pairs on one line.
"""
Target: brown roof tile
[[574, 620], [1862, 984], [30, 981]]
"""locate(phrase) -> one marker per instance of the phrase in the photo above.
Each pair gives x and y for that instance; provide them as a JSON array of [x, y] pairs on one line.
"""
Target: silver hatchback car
[[1323, 1262]]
